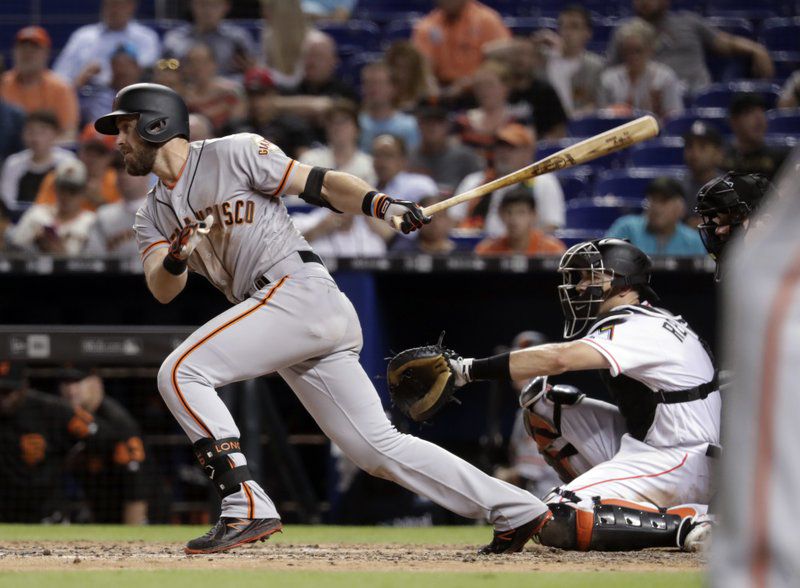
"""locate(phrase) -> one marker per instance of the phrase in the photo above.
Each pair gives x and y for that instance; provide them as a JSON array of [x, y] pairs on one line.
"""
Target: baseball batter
[[217, 211], [637, 473]]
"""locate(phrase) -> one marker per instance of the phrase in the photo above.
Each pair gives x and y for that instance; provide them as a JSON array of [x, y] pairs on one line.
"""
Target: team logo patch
[[263, 145]]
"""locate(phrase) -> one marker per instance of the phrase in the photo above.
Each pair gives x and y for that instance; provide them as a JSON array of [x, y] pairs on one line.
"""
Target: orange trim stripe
[[151, 246], [233, 321], [683, 461], [285, 177], [251, 509], [584, 525], [180, 173], [776, 327]]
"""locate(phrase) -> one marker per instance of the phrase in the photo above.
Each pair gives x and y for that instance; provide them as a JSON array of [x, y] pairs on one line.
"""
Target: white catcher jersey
[[660, 351], [239, 180]]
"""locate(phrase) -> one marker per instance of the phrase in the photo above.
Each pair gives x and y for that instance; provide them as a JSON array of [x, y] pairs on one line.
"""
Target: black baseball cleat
[[513, 540], [231, 532]]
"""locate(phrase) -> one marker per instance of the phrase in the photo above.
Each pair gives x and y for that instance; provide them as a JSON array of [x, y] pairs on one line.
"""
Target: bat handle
[[396, 221]]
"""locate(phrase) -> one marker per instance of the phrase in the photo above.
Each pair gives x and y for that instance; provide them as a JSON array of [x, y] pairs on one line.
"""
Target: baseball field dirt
[[319, 556]]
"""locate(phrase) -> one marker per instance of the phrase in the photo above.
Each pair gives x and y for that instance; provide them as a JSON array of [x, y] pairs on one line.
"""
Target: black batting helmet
[[162, 113], [728, 200], [598, 261]]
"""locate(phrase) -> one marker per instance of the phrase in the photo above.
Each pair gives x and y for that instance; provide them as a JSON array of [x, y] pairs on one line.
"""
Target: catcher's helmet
[[597, 261], [162, 113], [728, 201]]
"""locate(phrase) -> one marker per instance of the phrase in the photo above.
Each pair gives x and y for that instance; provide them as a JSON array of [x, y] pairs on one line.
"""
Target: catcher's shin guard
[[545, 432], [213, 455], [612, 526]]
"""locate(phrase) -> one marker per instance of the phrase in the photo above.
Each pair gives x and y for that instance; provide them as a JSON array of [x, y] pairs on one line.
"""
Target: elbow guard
[[312, 193]]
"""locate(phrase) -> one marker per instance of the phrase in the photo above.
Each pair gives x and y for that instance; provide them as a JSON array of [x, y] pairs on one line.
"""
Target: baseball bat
[[635, 131]]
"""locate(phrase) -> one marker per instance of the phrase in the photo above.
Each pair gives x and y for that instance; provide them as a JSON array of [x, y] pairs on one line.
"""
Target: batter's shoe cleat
[[513, 540], [694, 533], [230, 532]]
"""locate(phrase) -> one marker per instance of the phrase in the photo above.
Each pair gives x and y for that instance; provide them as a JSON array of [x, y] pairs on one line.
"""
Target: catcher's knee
[[610, 526]]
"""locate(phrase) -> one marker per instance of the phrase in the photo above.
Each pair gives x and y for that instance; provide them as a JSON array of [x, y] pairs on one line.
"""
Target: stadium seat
[[732, 24], [353, 36], [575, 182], [467, 239], [599, 213], [666, 151], [631, 182], [783, 122], [398, 30], [781, 34], [523, 26], [601, 7], [719, 95], [592, 125], [572, 237], [386, 11], [678, 126], [786, 62], [742, 8]]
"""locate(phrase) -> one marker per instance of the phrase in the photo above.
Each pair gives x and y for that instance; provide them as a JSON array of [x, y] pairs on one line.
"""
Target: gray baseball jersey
[[239, 180]]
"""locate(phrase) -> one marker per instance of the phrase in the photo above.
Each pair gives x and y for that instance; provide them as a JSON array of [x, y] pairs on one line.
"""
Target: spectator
[[12, 119], [659, 231], [218, 98], [168, 72], [200, 128], [233, 47], [283, 37], [514, 148], [390, 158], [61, 228], [441, 156], [518, 215], [320, 84], [433, 238], [37, 432], [112, 232], [411, 75], [477, 127], [341, 151], [452, 37], [748, 152], [639, 83], [682, 39], [98, 153], [110, 470], [89, 49], [573, 71], [329, 10], [5, 225], [703, 153], [531, 98], [379, 115], [33, 87], [263, 118], [95, 98], [23, 172], [790, 93]]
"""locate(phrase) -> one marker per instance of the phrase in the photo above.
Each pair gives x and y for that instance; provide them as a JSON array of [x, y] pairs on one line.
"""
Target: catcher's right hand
[[422, 380]]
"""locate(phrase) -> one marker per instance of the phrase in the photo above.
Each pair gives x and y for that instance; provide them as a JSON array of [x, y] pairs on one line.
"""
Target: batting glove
[[184, 244], [382, 206]]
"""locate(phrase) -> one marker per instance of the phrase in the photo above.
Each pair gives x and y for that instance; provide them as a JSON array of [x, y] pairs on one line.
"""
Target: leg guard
[[610, 527], [212, 455], [547, 434]]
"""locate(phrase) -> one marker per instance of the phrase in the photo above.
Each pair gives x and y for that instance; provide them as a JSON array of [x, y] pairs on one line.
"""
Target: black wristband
[[174, 265], [497, 367]]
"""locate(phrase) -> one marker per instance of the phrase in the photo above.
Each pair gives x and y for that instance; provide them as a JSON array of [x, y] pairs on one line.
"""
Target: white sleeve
[[148, 237], [629, 345], [24, 233], [262, 164], [549, 201], [7, 190]]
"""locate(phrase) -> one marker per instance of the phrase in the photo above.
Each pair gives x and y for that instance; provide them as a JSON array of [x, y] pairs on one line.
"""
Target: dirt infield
[[137, 555]]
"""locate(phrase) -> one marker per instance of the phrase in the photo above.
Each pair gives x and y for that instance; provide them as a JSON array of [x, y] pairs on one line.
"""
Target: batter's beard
[[141, 161]]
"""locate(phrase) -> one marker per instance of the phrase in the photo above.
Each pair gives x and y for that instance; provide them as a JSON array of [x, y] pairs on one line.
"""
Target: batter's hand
[[411, 212], [189, 238]]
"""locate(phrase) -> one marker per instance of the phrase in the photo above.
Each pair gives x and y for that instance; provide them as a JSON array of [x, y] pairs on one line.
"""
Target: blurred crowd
[[465, 97]]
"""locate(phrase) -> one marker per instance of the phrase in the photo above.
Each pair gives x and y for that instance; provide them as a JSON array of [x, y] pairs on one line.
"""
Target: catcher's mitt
[[421, 380]]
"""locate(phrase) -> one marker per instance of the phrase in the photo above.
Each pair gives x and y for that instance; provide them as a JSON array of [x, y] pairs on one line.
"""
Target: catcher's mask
[[727, 201], [587, 267]]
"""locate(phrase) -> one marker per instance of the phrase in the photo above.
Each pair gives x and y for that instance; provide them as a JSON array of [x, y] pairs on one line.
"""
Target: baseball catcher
[[636, 473]]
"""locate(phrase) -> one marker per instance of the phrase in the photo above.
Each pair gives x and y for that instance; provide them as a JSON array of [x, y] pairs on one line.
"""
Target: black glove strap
[[174, 265], [375, 204]]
